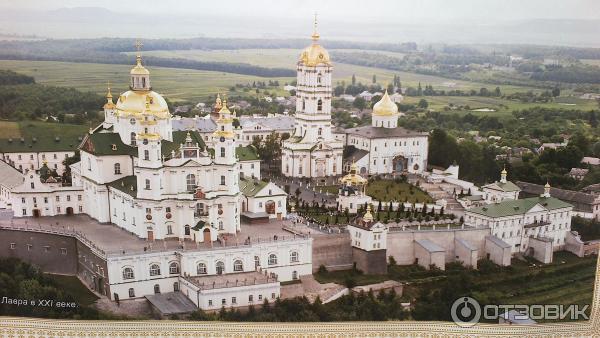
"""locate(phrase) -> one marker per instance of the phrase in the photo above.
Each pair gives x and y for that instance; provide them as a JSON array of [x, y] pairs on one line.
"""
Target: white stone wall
[[383, 151], [250, 169]]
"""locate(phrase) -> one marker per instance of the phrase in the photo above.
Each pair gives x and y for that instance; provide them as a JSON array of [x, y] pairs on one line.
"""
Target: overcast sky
[[390, 10], [421, 21]]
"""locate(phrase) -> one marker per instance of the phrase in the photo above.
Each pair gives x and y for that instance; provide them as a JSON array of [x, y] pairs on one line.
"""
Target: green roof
[[102, 144], [35, 136], [247, 153], [125, 185], [178, 139], [518, 207], [250, 187], [508, 186]]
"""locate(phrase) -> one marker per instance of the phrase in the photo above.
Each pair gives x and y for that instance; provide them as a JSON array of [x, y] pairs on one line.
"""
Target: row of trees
[[363, 307]]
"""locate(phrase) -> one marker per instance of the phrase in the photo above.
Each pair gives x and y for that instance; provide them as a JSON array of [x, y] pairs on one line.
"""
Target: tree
[[556, 91], [353, 80], [374, 78], [359, 103], [423, 104]]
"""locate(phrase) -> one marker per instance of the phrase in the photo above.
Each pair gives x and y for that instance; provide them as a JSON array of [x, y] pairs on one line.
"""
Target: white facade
[[312, 150], [34, 198], [515, 221], [285, 259], [370, 237], [35, 160], [260, 197]]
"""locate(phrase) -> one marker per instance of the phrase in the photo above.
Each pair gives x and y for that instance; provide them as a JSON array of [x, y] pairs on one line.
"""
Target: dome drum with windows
[[353, 178]]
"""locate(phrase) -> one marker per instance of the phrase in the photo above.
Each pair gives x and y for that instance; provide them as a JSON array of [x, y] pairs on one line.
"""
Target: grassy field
[[287, 58], [388, 190], [499, 105], [10, 129], [175, 84], [73, 286], [593, 62]]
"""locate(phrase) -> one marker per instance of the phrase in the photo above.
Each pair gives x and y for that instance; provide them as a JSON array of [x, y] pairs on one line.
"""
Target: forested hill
[[110, 50], [22, 98]]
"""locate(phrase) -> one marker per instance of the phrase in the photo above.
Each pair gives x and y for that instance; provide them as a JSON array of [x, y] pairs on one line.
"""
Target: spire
[[503, 174], [108, 94], [138, 46], [546, 190], [315, 35]]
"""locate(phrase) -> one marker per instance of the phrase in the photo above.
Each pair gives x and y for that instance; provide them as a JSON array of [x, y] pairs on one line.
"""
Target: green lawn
[[175, 84], [73, 286], [389, 190]]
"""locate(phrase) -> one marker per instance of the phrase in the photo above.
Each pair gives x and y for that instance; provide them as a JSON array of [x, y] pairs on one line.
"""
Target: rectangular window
[[80, 208], [58, 210], [259, 297], [250, 298], [79, 198], [63, 251], [23, 200], [273, 295], [45, 199], [13, 246], [29, 247], [223, 301], [210, 302], [68, 198], [233, 300], [57, 198]]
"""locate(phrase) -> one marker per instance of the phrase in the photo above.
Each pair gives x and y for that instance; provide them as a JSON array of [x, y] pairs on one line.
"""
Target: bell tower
[[140, 76]]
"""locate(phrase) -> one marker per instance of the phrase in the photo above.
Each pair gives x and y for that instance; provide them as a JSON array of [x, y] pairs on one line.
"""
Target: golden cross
[[315, 21], [138, 45]]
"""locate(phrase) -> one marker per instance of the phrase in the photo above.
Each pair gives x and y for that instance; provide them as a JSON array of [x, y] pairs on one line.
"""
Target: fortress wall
[[401, 244], [44, 251], [333, 251]]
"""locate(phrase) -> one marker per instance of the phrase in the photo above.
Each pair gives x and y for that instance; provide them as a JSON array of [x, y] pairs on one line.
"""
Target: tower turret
[[224, 137], [385, 113], [140, 76], [503, 174], [109, 109]]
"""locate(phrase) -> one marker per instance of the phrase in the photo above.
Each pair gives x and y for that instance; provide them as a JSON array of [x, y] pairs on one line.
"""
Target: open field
[[10, 129], [287, 58], [499, 105], [593, 62], [175, 84]]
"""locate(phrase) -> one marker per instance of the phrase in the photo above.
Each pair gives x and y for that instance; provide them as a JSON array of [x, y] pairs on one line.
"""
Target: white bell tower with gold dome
[[312, 151]]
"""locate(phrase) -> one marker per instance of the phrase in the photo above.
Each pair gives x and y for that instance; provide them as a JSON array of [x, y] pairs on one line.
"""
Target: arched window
[[222, 151], [220, 267], [147, 184], [222, 180], [117, 168], [143, 82], [238, 265], [303, 104], [294, 256], [201, 269], [156, 288], [154, 270], [320, 105], [319, 78], [256, 261], [128, 273], [190, 181], [320, 132], [173, 268], [132, 141], [176, 286], [169, 229], [272, 259], [146, 155], [131, 293], [187, 230]]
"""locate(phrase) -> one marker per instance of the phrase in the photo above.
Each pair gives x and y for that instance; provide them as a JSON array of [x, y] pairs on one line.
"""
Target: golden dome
[[139, 69], [353, 178], [504, 172], [134, 102], [385, 106], [314, 54]]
